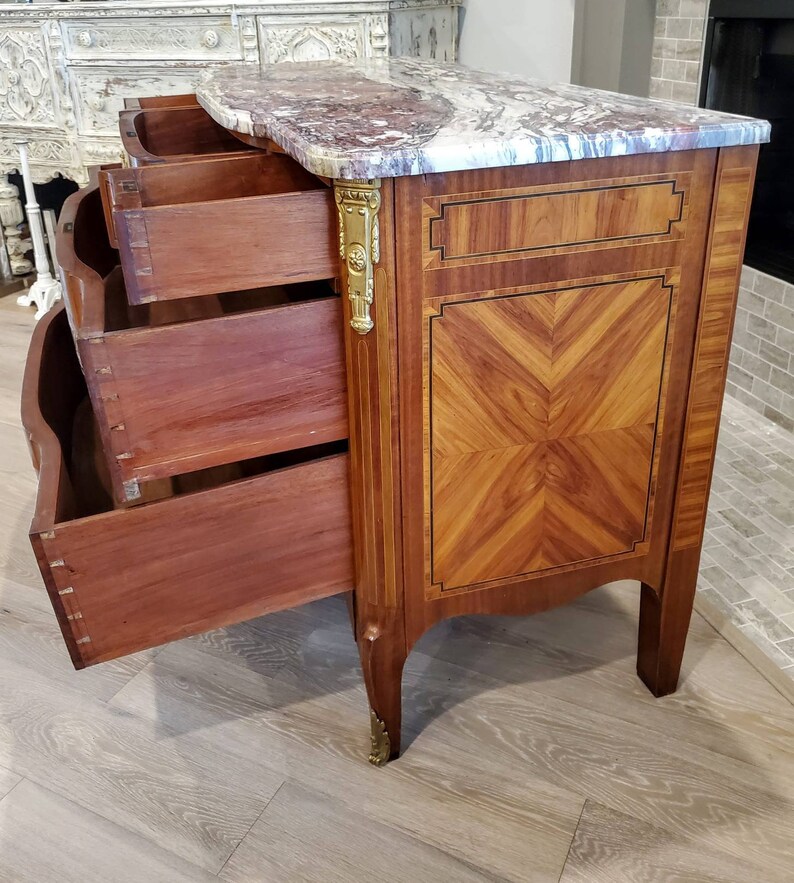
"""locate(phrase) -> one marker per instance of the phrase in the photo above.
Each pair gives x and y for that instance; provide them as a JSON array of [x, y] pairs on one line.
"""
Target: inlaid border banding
[[438, 208]]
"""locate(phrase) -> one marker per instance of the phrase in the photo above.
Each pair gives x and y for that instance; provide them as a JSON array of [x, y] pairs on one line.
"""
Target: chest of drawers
[[536, 327]]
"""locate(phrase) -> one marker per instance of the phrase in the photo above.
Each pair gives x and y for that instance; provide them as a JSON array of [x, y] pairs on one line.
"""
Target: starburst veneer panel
[[543, 410]]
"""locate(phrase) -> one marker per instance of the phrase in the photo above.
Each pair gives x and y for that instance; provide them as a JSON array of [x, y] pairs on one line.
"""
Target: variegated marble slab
[[398, 116]]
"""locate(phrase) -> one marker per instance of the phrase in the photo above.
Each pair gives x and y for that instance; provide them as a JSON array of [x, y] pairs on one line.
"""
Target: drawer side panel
[[203, 393], [228, 245], [142, 577]]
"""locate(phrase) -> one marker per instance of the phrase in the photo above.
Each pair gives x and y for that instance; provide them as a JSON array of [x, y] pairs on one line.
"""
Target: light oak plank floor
[[533, 752]]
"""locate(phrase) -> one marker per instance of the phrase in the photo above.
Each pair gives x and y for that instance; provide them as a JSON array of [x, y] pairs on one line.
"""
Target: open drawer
[[127, 579], [186, 229], [161, 101], [184, 385], [175, 134]]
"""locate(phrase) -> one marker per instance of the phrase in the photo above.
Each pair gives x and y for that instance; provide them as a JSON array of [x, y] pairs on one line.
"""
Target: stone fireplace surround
[[761, 374]]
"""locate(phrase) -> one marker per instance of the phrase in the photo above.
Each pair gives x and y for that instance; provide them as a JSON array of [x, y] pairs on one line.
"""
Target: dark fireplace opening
[[748, 68]]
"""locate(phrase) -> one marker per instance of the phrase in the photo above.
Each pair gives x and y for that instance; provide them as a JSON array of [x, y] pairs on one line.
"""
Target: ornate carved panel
[[101, 92], [311, 40], [551, 462], [94, 152], [66, 68], [424, 33], [25, 95], [379, 41], [41, 150], [249, 42], [202, 38], [479, 227]]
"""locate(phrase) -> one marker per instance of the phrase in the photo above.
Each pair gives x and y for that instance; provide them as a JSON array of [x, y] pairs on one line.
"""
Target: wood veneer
[[184, 385], [554, 218], [373, 398], [187, 229], [174, 134], [665, 613], [146, 102], [544, 459], [548, 383], [124, 580]]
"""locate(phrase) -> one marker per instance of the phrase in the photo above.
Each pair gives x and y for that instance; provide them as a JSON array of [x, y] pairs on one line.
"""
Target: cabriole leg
[[383, 653], [366, 249]]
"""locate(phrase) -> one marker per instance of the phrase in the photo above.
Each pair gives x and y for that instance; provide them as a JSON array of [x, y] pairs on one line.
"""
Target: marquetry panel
[[542, 414], [721, 280], [553, 219]]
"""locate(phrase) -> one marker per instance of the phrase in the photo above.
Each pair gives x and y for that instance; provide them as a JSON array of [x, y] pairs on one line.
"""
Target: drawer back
[[86, 258], [151, 101], [52, 390], [159, 135]]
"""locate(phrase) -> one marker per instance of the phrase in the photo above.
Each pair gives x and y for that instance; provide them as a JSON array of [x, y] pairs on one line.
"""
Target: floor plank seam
[[108, 701], [13, 787], [242, 839], [485, 873], [573, 837], [44, 784]]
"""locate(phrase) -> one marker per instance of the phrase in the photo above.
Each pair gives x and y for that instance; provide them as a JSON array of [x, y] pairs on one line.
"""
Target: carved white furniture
[[46, 290], [66, 68]]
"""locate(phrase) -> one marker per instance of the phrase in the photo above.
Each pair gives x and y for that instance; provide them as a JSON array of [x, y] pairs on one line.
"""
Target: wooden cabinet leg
[[366, 232], [383, 653], [664, 622], [664, 618]]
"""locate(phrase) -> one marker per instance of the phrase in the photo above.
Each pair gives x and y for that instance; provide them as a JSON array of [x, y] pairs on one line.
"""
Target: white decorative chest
[[66, 68]]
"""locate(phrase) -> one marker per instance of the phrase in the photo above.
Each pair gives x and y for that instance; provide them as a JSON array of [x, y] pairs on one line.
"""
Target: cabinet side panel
[[543, 384], [734, 186]]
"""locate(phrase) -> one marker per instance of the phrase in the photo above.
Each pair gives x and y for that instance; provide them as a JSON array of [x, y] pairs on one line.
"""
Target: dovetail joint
[[67, 591], [85, 640], [132, 490], [58, 562]]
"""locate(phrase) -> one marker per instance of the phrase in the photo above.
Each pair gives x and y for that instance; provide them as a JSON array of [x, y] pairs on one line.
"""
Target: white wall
[[613, 44], [635, 67], [598, 37], [530, 37]]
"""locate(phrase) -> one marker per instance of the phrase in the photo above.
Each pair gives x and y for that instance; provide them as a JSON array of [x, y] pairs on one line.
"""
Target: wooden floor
[[533, 751]]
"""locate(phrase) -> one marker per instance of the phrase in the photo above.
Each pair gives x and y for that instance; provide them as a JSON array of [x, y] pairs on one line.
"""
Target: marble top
[[383, 118]]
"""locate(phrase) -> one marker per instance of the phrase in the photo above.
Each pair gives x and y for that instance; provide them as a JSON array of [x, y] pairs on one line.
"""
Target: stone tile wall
[[747, 565], [677, 49], [762, 370]]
